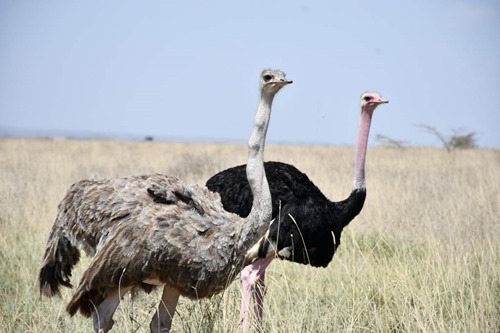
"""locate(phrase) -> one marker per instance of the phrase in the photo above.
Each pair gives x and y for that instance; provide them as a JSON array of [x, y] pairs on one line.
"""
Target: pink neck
[[361, 146]]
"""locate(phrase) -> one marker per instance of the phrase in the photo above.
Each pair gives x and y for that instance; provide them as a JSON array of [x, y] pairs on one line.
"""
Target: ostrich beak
[[382, 101], [280, 83]]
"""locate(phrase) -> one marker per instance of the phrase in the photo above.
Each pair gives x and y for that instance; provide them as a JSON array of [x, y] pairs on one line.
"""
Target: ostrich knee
[[100, 326], [260, 288], [103, 315]]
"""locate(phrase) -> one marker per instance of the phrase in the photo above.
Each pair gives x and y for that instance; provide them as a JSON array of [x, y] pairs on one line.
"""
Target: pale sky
[[188, 70]]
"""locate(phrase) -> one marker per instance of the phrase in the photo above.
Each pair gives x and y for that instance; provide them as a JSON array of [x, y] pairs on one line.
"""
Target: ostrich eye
[[367, 98], [267, 77]]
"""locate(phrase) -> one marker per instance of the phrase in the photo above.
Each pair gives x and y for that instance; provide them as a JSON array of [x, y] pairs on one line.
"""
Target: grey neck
[[260, 215]]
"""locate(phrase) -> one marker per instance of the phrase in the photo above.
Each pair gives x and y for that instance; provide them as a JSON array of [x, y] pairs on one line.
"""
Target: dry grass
[[423, 256]]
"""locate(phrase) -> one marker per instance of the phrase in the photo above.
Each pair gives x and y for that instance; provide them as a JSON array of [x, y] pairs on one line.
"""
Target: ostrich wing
[[92, 208], [171, 195], [304, 228], [169, 242]]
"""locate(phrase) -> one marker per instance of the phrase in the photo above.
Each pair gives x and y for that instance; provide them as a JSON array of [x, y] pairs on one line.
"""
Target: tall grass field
[[422, 256]]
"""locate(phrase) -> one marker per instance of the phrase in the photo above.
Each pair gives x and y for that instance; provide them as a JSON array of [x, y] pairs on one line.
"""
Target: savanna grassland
[[423, 255]]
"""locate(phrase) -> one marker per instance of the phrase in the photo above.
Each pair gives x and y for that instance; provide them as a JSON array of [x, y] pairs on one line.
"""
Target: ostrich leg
[[252, 278], [162, 320], [259, 293], [103, 315]]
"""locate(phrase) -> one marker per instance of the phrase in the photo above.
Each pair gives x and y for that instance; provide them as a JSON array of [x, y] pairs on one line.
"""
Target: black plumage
[[306, 226], [305, 220]]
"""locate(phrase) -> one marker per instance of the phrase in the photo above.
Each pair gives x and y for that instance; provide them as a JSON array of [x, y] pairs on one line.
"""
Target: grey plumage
[[144, 231]]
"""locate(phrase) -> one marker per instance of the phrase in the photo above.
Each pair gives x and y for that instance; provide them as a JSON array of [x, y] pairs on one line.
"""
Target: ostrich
[[154, 230], [307, 226]]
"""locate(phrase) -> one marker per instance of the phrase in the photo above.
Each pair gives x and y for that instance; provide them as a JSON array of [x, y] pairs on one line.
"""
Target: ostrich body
[[307, 226], [153, 230]]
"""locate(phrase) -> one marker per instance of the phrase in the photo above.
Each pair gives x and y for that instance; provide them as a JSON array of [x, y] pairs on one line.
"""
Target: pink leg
[[259, 293], [162, 320], [103, 315], [251, 275], [245, 297]]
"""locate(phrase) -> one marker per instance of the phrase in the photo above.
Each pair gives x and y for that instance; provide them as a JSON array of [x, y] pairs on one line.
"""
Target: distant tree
[[458, 140], [462, 140], [149, 138], [389, 142]]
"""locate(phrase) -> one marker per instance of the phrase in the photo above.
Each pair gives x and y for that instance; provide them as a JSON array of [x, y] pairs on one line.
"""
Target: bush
[[458, 140]]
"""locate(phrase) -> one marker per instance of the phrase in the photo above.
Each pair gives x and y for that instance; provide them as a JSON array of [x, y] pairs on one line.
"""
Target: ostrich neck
[[361, 146], [255, 225]]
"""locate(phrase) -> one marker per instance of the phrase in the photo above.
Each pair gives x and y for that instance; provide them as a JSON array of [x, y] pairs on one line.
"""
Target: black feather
[[304, 219]]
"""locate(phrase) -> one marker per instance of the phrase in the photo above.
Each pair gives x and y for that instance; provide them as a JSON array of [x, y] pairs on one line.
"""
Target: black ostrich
[[306, 226]]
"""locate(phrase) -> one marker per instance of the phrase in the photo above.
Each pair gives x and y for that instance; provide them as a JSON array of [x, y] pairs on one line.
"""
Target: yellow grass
[[423, 255]]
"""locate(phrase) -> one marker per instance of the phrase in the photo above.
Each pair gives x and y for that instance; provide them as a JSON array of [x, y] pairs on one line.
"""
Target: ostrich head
[[271, 81], [370, 100]]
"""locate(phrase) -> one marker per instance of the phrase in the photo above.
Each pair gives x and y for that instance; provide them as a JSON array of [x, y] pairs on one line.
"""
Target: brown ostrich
[[154, 230]]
